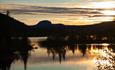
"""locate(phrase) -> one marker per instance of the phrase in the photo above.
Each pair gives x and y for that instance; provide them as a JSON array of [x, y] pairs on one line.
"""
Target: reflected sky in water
[[39, 60], [56, 66]]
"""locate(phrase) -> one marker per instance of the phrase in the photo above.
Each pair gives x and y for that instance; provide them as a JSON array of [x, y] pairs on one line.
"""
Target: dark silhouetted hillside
[[12, 26]]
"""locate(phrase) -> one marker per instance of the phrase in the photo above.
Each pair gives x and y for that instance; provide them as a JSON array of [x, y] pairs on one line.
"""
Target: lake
[[39, 60]]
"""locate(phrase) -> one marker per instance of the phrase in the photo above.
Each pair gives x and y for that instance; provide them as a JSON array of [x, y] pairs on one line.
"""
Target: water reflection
[[57, 45], [13, 48], [18, 47], [60, 45]]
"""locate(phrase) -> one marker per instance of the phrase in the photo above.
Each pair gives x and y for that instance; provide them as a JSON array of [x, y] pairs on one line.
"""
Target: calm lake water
[[39, 60], [85, 65]]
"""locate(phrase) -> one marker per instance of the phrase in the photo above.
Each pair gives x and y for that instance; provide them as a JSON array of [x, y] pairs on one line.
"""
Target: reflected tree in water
[[72, 43], [13, 48], [55, 45], [112, 46], [82, 48], [58, 45]]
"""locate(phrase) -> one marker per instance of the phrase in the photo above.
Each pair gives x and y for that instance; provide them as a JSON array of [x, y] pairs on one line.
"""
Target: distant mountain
[[103, 27], [45, 24], [100, 28], [12, 26]]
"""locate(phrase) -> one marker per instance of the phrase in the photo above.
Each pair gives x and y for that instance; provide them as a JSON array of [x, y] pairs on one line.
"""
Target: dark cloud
[[25, 9]]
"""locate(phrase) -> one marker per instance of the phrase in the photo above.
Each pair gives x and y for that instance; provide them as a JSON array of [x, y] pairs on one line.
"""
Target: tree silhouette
[[13, 41], [7, 12]]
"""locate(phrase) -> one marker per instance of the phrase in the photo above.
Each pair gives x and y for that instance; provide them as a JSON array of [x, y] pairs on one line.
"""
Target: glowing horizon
[[70, 16]]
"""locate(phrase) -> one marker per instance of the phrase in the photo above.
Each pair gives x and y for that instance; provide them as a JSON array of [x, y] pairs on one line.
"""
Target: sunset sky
[[50, 1], [68, 12]]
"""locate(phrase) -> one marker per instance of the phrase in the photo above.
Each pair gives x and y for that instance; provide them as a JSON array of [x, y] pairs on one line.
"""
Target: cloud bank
[[27, 9]]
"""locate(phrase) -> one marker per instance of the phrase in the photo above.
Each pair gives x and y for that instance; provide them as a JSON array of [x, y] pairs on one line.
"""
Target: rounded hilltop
[[43, 24]]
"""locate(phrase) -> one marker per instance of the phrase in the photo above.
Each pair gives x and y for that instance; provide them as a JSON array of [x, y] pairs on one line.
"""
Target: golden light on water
[[94, 51], [105, 45], [105, 60]]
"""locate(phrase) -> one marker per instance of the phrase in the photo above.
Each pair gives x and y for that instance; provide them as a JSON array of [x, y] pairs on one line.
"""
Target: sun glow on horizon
[[108, 12], [103, 4]]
